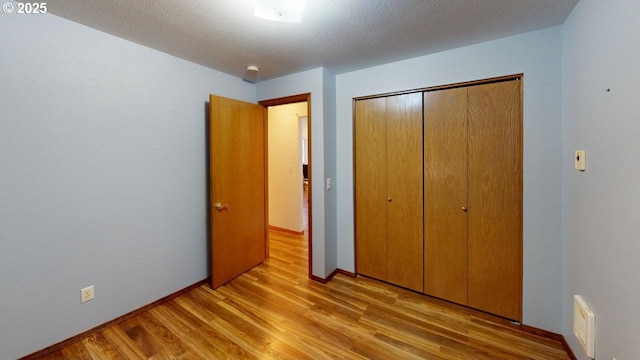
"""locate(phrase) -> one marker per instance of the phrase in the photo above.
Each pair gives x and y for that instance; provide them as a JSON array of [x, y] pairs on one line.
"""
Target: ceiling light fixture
[[251, 74], [280, 10]]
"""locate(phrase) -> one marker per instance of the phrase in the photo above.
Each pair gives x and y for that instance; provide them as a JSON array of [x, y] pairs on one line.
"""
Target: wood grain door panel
[[495, 198], [237, 175], [404, 188], [371, 188], [445, 193]]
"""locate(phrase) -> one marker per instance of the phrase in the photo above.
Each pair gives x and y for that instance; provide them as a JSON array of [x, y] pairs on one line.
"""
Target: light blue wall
[[317, 82], [330, 168], [102, 177], [539, 56], [601, 206]]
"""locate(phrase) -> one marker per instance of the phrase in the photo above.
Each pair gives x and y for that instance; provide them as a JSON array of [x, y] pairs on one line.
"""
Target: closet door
[[404, 190], [388, 189], [445, 194], [370, 128], [495, 198]]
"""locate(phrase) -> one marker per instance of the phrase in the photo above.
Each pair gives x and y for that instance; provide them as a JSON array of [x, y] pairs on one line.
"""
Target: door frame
[[284, 101]]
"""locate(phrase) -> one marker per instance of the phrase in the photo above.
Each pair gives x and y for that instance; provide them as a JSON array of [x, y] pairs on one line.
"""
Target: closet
[[388, 187], [471, 189], [473, 196]]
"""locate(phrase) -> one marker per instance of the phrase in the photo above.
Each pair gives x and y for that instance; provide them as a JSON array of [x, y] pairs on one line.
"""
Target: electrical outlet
[[86, 294]]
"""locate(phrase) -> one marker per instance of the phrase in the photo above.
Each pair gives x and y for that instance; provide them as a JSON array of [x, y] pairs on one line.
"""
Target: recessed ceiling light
[[280, 10]]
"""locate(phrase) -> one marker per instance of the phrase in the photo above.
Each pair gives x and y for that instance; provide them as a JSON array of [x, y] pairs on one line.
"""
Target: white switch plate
[[328, 183], [580, 160]]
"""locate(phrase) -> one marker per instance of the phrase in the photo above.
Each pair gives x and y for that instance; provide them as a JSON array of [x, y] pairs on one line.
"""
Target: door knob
[[389, 199], [464, 208], [220, 207]]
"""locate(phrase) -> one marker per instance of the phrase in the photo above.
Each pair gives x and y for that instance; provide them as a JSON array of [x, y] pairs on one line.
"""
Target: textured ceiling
[[341, 35]]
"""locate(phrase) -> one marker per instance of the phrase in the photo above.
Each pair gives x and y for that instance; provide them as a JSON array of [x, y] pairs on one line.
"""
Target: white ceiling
[[341, 35]]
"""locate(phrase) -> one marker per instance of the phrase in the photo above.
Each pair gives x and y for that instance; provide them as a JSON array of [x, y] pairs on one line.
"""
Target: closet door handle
[[389, 199], [220, 207], [464, 208]]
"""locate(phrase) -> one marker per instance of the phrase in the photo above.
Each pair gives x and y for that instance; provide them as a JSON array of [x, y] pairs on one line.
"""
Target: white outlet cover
[[87, 294]]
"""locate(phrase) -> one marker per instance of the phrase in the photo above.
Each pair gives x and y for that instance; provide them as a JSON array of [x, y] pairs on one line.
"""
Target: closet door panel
[[445, 194], [495, 198], [371, 188], [404, 190]]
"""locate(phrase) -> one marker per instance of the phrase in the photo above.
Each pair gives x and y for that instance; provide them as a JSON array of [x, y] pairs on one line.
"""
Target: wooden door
[[445, 194], [495, 198], [388, 189], [237, 189], [370, 161], [404, 190]]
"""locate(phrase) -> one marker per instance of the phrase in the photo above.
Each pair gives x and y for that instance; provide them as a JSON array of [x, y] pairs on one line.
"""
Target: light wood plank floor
[[275, 312]]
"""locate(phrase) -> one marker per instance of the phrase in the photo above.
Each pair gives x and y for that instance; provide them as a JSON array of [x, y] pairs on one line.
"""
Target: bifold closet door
[[370, 151], [445, 194], [495, 198], [404, 190], [388, 189], [473, 196]]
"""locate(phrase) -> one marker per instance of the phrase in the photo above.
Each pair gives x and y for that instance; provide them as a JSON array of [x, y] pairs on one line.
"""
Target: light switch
[[329, 184], [580, 160]]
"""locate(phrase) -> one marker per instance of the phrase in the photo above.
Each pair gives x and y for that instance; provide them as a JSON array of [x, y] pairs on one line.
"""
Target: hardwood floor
[[275, 312]]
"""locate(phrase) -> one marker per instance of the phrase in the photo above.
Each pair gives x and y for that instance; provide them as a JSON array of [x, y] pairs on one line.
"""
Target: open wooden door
[[237, 188]]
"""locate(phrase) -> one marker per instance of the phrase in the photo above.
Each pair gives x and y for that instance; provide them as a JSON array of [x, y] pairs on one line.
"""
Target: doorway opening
[[289, 170]]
